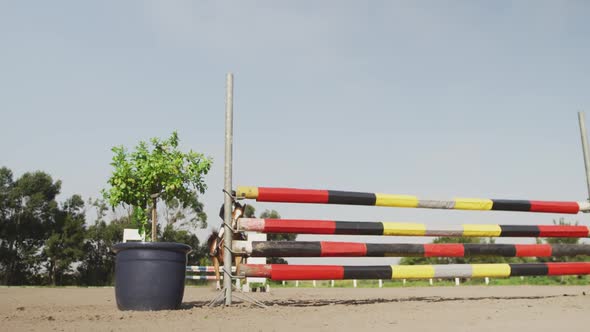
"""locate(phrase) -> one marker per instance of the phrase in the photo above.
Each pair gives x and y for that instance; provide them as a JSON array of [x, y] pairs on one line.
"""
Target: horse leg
[[238, 261], [216, 268]]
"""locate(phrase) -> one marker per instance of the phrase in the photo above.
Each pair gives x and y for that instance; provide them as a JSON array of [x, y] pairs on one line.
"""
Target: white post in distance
[[584, 137]]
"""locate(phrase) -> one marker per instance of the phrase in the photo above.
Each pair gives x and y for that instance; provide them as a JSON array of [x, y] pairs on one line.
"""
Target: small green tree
[[159, 171]]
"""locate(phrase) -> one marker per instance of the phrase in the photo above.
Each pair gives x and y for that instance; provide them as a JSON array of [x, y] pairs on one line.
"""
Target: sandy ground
[[464, 308]]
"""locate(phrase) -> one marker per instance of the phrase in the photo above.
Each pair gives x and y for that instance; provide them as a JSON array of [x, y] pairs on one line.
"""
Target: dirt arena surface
[[464, 308]]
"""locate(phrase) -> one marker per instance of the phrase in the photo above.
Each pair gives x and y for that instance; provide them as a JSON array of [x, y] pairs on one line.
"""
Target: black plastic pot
[[150, 275]]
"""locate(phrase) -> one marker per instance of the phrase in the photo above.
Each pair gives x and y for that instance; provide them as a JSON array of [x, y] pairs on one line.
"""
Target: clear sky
[[432, 98]]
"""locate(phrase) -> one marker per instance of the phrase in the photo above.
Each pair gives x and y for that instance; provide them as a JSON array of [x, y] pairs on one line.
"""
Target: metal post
[[584, 137], [227, 255]]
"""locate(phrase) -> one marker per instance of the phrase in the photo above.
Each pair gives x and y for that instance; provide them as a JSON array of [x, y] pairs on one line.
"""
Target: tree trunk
[[51, 273], [154, 218]]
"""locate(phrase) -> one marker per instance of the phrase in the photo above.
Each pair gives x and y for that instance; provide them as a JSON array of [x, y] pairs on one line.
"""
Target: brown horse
[[216, 244], [216, 250]]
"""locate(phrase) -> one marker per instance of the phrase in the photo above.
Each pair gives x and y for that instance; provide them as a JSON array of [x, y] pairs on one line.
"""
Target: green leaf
[[158, 168]]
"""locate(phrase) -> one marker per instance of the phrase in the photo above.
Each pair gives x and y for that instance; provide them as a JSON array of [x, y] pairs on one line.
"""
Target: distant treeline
[[44, 242], [496, 259]]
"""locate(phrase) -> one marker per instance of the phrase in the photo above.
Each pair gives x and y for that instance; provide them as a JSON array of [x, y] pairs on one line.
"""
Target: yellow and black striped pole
[[338, 272], [307, 226], [292, 195]]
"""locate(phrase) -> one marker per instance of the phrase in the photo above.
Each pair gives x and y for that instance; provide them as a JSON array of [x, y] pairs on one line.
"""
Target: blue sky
[[432, 98]]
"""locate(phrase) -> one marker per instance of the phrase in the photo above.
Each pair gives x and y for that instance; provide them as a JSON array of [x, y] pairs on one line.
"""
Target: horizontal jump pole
[[355, 249], [291, 195], [300, 226], [204, 269], [339, 272], [202, 277]]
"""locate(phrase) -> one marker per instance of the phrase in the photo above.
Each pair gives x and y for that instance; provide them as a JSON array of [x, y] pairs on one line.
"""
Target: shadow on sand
[[326, 302]]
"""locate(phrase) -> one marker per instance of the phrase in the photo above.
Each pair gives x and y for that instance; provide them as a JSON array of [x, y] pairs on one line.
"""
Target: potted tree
[[149, 275]]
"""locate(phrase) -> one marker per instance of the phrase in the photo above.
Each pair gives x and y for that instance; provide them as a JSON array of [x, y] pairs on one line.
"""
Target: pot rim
[[170, 246]]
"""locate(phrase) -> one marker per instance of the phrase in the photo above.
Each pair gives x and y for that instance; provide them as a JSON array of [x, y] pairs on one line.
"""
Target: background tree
[[42, 241], [97, 266], [159, 170], [250, 212], [461, 260], [27, 211], [65, 244], [182, 236], [273, 214], [562, 240], [192, 216]]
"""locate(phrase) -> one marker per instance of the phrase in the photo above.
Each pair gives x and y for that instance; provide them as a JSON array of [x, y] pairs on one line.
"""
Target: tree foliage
[[192, 215], [65, 244], [39, 239], [562, 240], [272, 214], [181, 236], [28, 210], [158, 169], [462, 260], [250, 212], [43, 242]]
